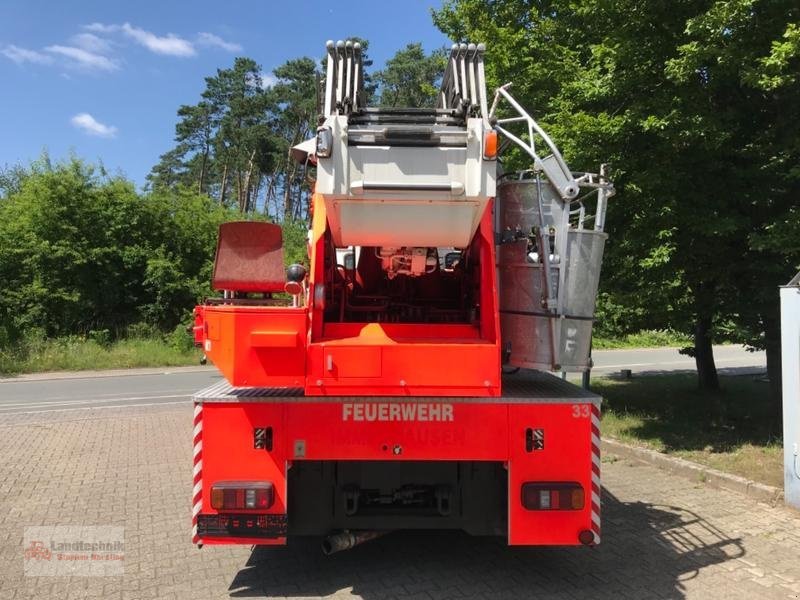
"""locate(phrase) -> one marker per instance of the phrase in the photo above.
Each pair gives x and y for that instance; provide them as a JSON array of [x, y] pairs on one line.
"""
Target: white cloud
[[84, 59], [91, 126], [91, 43], [93, 49], [101, 28], [209, 39], [267, 80], [169, 44], [23, 55]]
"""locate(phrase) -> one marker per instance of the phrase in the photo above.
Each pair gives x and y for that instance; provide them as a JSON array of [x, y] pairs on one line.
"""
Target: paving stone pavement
[[663, 536]]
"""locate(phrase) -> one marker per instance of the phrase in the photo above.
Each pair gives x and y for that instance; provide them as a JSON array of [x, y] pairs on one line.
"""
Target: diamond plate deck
[[523, 387]]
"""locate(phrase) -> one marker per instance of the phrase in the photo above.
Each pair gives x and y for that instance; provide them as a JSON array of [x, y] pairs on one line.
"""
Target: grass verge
[[643, 339], [77, 354], [733, 430]]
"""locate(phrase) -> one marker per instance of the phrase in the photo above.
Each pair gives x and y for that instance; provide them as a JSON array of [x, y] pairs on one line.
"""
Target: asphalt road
[[729, 360], [69, 392], [28, 396]]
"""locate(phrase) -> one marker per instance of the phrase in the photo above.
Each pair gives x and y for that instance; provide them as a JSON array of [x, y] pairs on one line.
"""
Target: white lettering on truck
[[394, 411]]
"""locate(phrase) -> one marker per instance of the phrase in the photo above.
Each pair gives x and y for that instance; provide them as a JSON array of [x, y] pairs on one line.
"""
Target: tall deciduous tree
[[738, 70], [692, 103]]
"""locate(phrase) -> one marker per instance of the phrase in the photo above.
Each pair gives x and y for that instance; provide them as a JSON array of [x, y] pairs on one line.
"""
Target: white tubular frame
[[562, 178]]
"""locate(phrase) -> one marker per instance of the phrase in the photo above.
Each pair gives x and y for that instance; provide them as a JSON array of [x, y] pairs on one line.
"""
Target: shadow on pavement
[[671, 410], [646, 551]]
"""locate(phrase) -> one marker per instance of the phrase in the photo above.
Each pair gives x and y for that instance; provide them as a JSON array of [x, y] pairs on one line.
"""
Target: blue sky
[[104, 79]]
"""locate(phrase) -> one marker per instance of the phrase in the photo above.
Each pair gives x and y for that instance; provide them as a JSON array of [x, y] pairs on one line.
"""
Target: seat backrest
[[249, 257]]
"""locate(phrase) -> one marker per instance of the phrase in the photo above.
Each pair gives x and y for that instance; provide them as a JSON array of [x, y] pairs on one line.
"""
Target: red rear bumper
[[540, 436]]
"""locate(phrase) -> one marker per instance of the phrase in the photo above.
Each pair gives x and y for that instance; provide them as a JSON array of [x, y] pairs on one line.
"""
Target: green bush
[[91, 266], [180, 338], [654, 338], [84, 254], [101, 337], [141, 330]]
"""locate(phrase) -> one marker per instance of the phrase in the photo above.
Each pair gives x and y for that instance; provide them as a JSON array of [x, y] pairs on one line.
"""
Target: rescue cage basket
[[548, 261], [546, 312]]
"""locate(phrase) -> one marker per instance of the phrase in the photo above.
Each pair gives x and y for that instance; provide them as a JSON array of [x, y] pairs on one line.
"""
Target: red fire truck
[[400, 379]]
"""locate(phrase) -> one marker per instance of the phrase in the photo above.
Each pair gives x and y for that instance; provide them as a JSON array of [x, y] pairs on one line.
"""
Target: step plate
[[523, 387]]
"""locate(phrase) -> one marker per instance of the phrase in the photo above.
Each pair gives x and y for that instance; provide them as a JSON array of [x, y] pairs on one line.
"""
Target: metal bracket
[[443, 500], [351, 494], [299, 448]]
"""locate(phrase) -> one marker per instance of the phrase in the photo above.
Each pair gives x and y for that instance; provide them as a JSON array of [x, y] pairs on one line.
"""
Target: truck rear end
[[270, 463], [404, 387]]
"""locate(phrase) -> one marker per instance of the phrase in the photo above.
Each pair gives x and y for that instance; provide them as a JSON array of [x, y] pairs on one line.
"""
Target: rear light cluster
[[242, 495], [324, 142], [552, 496], [490, 145]]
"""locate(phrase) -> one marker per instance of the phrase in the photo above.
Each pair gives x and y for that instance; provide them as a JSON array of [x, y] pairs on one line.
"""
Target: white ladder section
[[464, 81], [344, 80]]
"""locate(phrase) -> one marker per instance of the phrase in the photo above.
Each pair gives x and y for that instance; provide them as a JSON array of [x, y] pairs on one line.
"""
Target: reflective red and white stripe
[[596, 472], [197, 492]]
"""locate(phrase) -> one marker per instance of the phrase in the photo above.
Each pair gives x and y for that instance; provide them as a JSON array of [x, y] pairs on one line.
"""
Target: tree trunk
[[224, 183], [206, 153], [202, 182], [291, 171], [254, 195], [269, 196], [772, 345], [707, 378], [241, 196], [247, 179], [288, 199]]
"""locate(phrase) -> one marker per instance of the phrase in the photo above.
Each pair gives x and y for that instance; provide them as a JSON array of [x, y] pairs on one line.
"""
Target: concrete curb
[[696, 472], [107, 373]]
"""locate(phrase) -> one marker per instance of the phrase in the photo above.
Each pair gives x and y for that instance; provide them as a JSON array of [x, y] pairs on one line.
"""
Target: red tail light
[[242, 495], [552, 496]]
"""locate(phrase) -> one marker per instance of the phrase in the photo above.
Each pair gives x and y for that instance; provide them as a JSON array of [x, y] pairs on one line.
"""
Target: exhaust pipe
[[344, 540]]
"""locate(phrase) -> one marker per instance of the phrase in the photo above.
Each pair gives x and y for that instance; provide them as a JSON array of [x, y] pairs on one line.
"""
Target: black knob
[[295, 273]]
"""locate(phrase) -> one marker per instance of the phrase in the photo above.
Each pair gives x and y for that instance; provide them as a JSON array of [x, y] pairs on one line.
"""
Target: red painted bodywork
[[270, 346], [479, 431], [257, 346], [285, 347]]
